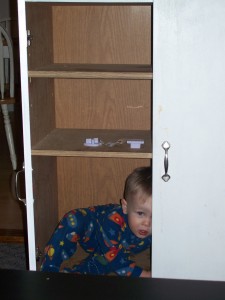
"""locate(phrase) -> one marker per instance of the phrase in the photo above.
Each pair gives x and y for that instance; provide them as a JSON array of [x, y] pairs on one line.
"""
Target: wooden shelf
[[87, 71], [70, 142]]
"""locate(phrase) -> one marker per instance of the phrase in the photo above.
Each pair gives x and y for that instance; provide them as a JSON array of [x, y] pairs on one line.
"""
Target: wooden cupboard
[[88, 71], [89, 75]]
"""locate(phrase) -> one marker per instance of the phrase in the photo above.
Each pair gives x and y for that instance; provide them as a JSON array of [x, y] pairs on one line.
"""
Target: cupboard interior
[[83, 102]]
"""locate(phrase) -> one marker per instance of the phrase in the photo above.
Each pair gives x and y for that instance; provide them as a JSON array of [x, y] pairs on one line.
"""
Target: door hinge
[[29, 38], [38, 254]]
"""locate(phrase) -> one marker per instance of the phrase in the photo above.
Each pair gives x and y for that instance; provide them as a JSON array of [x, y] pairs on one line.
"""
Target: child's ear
[[124, 206]]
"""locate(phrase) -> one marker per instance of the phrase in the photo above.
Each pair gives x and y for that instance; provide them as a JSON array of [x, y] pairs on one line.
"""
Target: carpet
[[12, 256]]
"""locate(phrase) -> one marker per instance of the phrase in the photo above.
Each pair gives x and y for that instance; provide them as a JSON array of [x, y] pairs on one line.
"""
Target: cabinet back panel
[[84, 182], [103, 104], [117, 34]]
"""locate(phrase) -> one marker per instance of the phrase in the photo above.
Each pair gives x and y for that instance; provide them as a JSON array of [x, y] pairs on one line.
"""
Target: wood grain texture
[[89, 181], [88, 71], [103, 104], [111, 34]]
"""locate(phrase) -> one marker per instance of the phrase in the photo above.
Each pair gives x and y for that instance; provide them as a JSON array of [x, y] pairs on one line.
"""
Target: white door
[[26, 134], [189, 113]]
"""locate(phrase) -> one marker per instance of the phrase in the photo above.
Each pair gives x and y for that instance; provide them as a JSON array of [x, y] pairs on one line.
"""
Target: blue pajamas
[[103, 232]]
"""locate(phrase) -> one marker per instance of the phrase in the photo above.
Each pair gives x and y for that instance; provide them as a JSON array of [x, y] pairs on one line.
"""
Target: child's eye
[[140, 213]]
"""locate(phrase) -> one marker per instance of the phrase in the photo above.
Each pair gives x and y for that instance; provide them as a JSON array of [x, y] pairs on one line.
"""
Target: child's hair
[[140, 180]]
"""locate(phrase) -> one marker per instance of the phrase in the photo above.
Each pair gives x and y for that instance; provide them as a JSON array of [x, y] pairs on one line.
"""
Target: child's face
[[139, 214]]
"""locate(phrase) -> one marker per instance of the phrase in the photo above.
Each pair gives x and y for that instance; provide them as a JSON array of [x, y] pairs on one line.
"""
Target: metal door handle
[[166, 146], [17, 186]]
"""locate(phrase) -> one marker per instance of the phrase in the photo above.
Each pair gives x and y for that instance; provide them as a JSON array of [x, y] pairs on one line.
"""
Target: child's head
[[137, 201]]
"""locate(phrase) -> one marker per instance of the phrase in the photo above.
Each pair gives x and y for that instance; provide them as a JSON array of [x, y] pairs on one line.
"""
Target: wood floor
[[12, 213]]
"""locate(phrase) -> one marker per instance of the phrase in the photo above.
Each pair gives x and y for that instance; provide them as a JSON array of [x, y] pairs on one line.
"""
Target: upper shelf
[[93, 71]]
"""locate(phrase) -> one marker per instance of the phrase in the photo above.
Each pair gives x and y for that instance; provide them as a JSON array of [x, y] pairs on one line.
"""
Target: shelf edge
[[91, 154]]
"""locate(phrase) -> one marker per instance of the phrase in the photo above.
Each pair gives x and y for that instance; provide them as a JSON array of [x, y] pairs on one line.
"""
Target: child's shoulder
[[106, 209]]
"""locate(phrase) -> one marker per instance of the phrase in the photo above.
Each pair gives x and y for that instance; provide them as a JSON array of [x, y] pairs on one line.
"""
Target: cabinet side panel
[[45, 198], [103, 104], [118, 34], [92, 181], [42, 108], [39, 22]]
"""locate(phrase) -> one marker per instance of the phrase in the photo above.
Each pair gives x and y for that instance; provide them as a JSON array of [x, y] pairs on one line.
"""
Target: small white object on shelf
[[135, 144], [92, 142]]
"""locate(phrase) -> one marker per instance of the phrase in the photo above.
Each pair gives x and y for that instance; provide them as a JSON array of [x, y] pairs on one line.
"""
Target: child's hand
[[146, 274]]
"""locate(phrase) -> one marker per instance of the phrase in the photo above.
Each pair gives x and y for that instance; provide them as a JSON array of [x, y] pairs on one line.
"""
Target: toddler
[[108, 233]]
